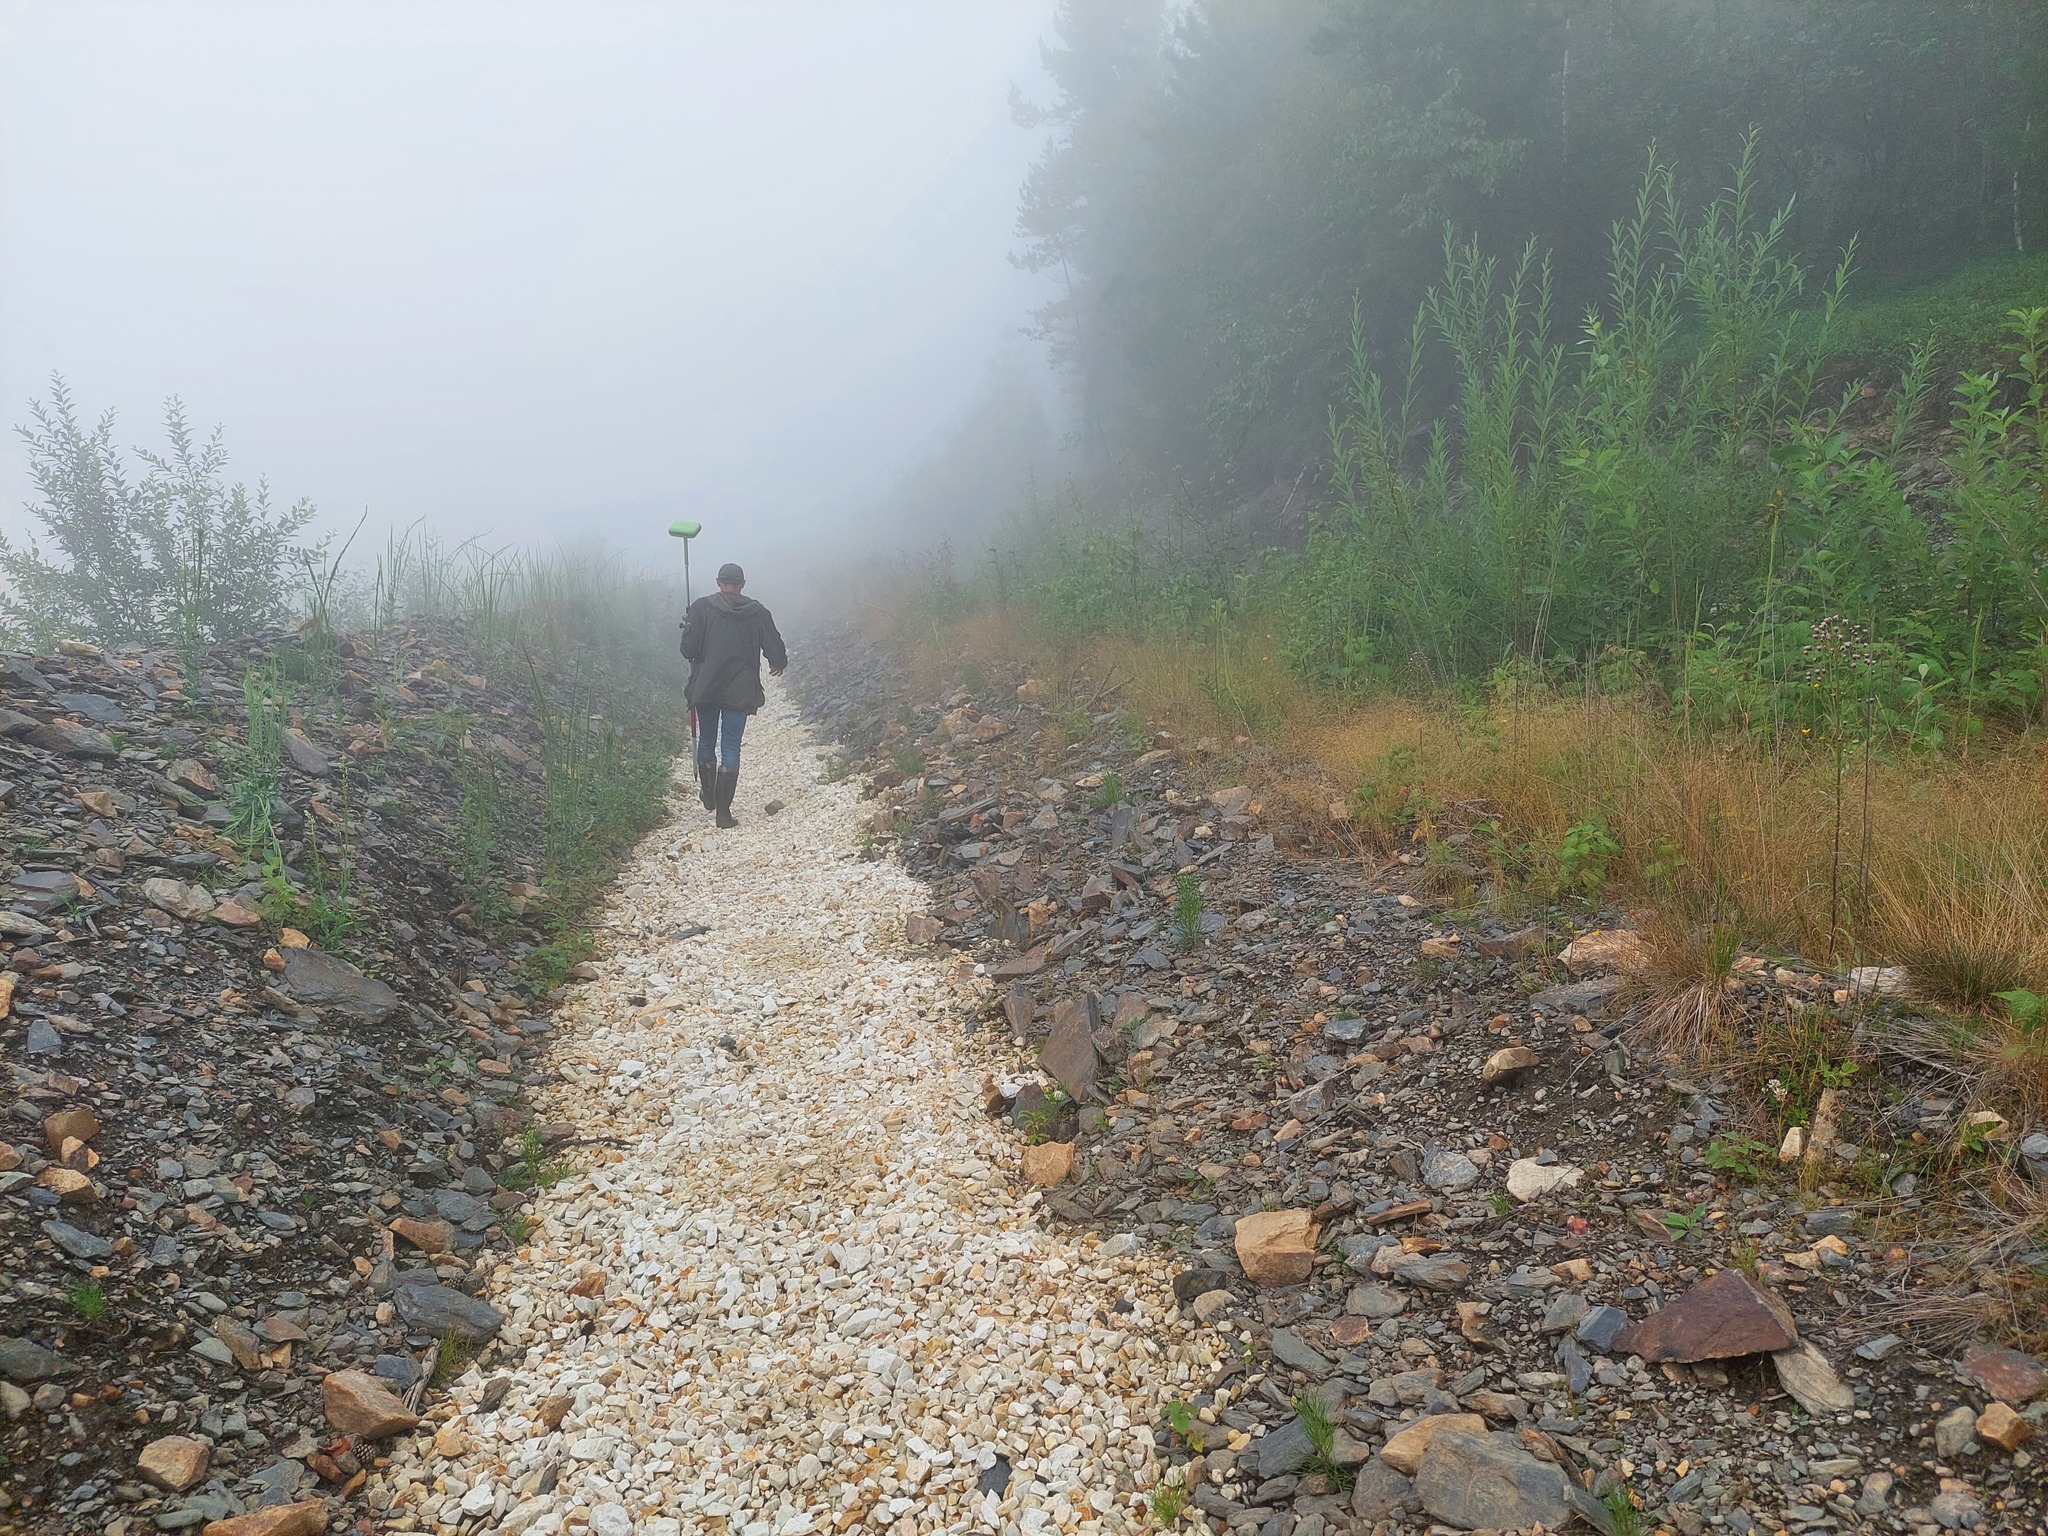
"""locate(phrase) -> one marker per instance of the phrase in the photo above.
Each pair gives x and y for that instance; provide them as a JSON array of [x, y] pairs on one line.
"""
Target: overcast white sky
[[544, 267]]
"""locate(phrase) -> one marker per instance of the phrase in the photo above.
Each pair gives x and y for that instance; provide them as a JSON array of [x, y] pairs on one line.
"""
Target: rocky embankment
[[250, 1181], [1475, 1257], [1117, 1159]]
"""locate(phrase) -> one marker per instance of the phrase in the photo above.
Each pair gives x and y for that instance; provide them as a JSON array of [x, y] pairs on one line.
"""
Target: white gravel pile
[[814, 1294]]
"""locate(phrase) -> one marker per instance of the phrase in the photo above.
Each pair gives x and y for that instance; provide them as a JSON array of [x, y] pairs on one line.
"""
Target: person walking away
[[725, 635]]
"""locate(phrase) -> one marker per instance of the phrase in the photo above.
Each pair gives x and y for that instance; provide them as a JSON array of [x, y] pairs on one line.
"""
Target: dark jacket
[[724, 637]]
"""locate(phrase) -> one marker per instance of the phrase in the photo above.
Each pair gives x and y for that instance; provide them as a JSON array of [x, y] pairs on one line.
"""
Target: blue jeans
[[718, 735]]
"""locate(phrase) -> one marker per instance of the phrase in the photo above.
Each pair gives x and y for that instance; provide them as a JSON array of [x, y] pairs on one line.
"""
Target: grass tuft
[[1322, 1438]]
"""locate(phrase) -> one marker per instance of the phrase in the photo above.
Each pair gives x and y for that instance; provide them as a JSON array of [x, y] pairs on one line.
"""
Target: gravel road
[[794, 1281]]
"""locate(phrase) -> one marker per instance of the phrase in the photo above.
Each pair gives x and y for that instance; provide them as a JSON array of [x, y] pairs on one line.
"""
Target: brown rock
[[2001, 1426], [1403, 1452], [2006, 1374], [1023, 965], [1350, 1331], [69, 1186], [1721, 1317], [76, 1124], [1606, 949], [1475, 1323], [1049, 1163], [308, 1517], [357, 1403], [1512, 946], [554, 1410], [190, 773], [190, 902], [174, 1463], [235, 915], [1069, 1055], [1276, 1247], [922, 928], [427, 1236], [279, 1329], [242, 1344], [1507, 1064]]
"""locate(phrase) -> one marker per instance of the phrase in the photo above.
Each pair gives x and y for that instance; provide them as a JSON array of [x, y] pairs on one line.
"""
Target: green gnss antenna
[[682, 528]]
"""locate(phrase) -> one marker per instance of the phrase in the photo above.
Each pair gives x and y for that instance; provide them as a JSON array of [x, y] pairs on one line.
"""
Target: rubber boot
[[728, 781], [707, 782]]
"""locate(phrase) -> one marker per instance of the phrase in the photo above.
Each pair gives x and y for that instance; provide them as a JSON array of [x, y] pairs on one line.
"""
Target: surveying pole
[[685, 530]]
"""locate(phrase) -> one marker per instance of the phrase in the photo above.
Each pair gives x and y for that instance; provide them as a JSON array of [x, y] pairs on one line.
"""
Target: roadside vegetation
[[1720, 606], [168, 552]]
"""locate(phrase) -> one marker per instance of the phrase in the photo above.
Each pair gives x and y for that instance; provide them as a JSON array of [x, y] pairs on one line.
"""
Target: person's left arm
[[772, 646]]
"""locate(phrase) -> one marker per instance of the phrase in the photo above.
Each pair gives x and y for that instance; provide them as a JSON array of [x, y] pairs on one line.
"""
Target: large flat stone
[[1805, 1373], [1406, 1447], [1479, 1482], [174, 1462], [2006, 1374], [321, 980], [1276, 1248], [1578, 996], [24, 1360], [359, 1404], [1718, 1319], [1380, 1490], [308, 1517], [67, 740], [1069, 1057], [447, 1313]]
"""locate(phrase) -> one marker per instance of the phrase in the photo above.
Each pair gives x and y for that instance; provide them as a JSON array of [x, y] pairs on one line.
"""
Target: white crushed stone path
[[817, 1295]]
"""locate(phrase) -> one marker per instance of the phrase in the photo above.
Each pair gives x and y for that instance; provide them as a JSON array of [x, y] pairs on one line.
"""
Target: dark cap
[[730, 575]]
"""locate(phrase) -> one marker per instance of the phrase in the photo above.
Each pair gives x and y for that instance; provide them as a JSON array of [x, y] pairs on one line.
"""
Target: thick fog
[[545, 270]]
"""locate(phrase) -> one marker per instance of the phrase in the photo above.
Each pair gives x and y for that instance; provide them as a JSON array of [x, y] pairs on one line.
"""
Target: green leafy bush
[[174, 553]]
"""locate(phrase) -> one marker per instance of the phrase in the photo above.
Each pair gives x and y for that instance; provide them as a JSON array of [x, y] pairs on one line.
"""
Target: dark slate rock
[[41, 891], [461, 1207], [24, 1360], [1291, 1349], [277, 1483], [445, 1313], [1587, 997], [323, 981], [1284, 1450], [72, 740], [78, 1242], [1190, 1283], [1069, 1055], [1380, 1490], [1599, 1326], [1482, 1482], [96, 707]]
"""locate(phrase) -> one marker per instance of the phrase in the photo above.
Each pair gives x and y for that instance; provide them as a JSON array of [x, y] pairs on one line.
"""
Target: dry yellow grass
[[1936, 863]]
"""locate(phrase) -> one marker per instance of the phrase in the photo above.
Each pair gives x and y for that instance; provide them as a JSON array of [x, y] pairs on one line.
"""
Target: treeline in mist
[[1689, 346], [1227, 180]]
